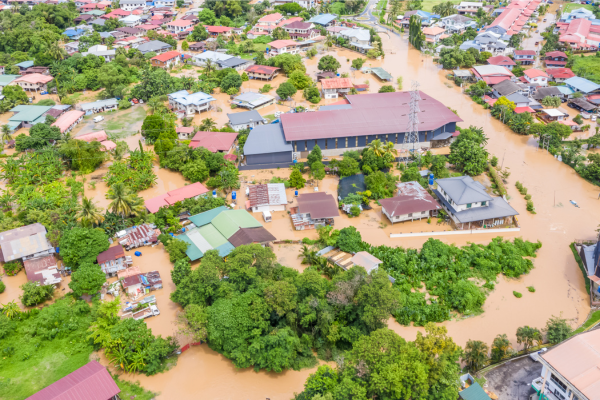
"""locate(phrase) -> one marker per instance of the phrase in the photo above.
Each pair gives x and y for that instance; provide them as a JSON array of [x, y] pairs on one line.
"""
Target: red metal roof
[[371, 114], [214, 141], [534, 73], [217, 29], [172, 197], [520, 110], [278, 44], [180, 22], [494, 80], [34, 269], [561, 73], [261, 69], [500, 60], [336, 83], [169, 55], [411, 198], [271, 17], [556, 54], [90, 382], [113, 253], [319, 205]]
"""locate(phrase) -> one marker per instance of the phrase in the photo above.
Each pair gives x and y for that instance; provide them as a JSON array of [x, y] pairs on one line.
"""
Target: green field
[[587, 67], [572, 6]]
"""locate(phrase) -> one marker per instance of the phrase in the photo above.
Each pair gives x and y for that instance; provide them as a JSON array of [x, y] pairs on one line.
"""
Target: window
[[483, 203], [409, 215], [558, 383], [468, 205]]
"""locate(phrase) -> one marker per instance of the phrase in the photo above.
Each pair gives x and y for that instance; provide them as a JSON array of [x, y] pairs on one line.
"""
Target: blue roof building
[[74, 33], [582, 85], [323, 19], [24, 65]]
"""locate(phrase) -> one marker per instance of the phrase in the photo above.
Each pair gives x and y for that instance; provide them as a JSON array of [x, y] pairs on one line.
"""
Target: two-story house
[[166, 60], [489, 41], [301, 30], [131, 20], [524, 57], [179, 25], [282, 47], [358, 38], [555, 59], [570, 370], [535, 76], [130, 5], [559, 75], [189, 104], [456, 23], [332, 88], [503, 61], [34, 82], [268, 23], [470, 207], [215, 31]]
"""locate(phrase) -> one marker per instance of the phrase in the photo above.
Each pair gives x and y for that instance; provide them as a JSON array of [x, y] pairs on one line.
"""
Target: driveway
[[512, 380]]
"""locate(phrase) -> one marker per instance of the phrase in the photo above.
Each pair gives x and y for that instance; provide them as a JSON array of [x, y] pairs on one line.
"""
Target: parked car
[[98, 118], [585, 115], [537, 43], [135, 101], [593, 118]]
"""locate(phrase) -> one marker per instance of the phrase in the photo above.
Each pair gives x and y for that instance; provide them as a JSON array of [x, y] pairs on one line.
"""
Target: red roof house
[[337, 83], [68, 120], [166, 59], [412, 202], [43, 270], [560, 74], [90, 382], [218, 30], [556, 59], [261, 71], [502, 61], [214, 141], [168, 199]]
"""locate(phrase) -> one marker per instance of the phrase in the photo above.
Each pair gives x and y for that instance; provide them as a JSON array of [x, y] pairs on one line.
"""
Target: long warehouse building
[[352, 126]]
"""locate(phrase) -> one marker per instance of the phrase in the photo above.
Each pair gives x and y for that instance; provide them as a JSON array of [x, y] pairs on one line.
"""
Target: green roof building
[[29, 115], [228, 222], [474, 392], [7, 79]]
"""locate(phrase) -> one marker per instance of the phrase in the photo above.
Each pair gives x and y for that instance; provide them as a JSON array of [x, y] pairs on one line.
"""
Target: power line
[[412, 132]]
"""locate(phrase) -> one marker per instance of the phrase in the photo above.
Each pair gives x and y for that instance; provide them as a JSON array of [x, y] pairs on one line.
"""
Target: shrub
[[494, 161], [34, 293], [517, 294], [518, 186], [124, 104], [530, 206], [355, 211], [2, 287], [528, 197], [531, 289], [12, 268], [523, 190]]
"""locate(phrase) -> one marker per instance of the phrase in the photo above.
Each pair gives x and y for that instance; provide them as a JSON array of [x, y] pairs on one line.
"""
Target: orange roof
[[534, 73], [98, 136], [436, 30], [67, 119], [337, 83], [35, 78], [169, 55], [180, 22], [271, 18], [217, 29], [278, 44], [577, 360]]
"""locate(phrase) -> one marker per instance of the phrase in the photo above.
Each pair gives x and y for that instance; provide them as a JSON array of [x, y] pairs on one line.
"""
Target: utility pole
[[412, 132]]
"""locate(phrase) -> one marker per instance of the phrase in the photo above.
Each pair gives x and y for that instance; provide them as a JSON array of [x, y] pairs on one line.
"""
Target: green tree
[[176, 249], [312, 94], [500, 348], [348, 166], [226, 179], [328, 63], [317, 169], [551, 101], [124, 202], [350, 240], [300, 80], [199, 33], [476, 355], [89, 214], [280, 34], [195, 171], [296, 180], [315, 155], [231, 81], [185, 46], [387, 89], [527, 335], [557, 330], [468, 153], [193, 322], [82, 245], [286, 90], [357, 63], [87, 279], [415, 34], [34, 293]]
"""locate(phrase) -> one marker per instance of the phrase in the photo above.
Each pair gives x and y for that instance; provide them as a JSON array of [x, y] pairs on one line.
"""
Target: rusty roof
[[410, 199], [261, 69], [319, 205], [90, 382], [24, 241], [269, 194], [251, 235], [336, 83], [370, 114], [113, 253], [42, 270], [131, 280]]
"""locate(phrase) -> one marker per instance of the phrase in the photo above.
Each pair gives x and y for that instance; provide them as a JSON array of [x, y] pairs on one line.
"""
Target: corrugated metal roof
[[251, 235], [266, 139], [365, 260], [463, 190], [582, 84], [228, 222], [371, 114], [90, 382], [214, 141], [212, 235], [411, 198], [113, 253], [24, 241], [474, 392], [207, 216], [319, 205], [244, 117]]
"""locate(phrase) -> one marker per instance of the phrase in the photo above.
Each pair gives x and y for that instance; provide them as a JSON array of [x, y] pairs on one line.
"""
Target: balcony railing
[[537, 385]]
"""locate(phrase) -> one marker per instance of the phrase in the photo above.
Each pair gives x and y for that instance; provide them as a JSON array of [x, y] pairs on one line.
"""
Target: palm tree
[[7, 199], [56, 52], [137, 362], [377, 147], [11, 309], [122, 200], [209, 67], [89, 213], [208, 125], [6, 136], [388, 148], [309, 255], [476, 355], [118, 357]]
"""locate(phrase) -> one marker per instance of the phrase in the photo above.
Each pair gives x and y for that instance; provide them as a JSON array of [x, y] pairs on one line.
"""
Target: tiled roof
[[271, 18], [336, 83], [172, 197], [35, 78], [261, 69], [169, 55], [180, 22], [534, 73], [278, 44]]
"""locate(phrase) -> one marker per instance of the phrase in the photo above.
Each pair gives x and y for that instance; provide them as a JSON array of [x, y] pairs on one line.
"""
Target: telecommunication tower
[[411, 137]]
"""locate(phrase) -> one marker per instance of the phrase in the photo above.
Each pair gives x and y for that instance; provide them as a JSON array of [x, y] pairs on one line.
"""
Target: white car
[[593, 118], [585, 115], [98, 118]]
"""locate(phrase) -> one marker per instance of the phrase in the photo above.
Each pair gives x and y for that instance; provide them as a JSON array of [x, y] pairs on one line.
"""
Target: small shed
[[366, 260], [43, 270], [474, 392], [382, 74], [112, 260]]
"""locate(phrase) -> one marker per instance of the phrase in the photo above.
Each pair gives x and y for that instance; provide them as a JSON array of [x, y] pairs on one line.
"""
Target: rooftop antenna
[[412, 132]]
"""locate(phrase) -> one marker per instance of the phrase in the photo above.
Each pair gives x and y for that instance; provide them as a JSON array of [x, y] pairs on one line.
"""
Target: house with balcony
[[553, 115], [358, 38], [524, 57], [130, 5], [456, 24], [268, 22], [570, 369], [283, 47], [559, 75], [301, 30], [433, 34], [188, 104], [34, 82], [555, 59], [261, 72], [333, 88], [412, 202], [468, 7], [469, 206], [215, 31], [179, 25], [489, 41], [535, 76]]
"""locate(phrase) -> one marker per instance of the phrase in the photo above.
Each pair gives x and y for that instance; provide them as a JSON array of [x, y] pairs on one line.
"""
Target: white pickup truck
[[147, 312]]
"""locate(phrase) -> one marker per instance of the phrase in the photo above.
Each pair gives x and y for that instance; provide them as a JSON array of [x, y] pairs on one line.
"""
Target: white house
[[412, 202], [101, 51], [359, 38], [190, 104], [332, 88], [283, 46], [536, 76], [245, 120], [433, 34], [113, 260], [130, 5], [131, 20], [269, 197], [164, 3], [179, 25], [468, 7]]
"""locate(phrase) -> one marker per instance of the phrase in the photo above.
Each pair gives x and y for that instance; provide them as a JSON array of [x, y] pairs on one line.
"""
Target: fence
[[187, 346], [444, 233]]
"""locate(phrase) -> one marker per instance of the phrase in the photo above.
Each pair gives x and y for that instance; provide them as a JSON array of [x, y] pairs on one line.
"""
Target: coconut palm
[[7, 200], [309, 256], [377, 147], [476, 355], [208, 124], [5, 136], [56, 52], [89, 214], [388, 148], [209, 67], [123, 200]]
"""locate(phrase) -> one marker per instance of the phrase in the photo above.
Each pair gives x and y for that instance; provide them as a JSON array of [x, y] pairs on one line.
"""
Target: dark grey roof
[[266, 139], [443, 136], [232, 62], [583, 104], [588, 258], [335, 107], [153, 45], [506, 87], [517, 98], [497, 208], [98, 21], [542, 92], [244, 117], [464, 190]]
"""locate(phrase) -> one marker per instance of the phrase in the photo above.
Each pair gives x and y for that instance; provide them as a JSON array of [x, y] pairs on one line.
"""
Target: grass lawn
[[591, 65], [131, 390], [572, 6], [428, 4], [594, 318]]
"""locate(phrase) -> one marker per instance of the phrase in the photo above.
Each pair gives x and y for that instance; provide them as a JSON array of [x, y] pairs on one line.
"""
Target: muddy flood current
[[201, 373]]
